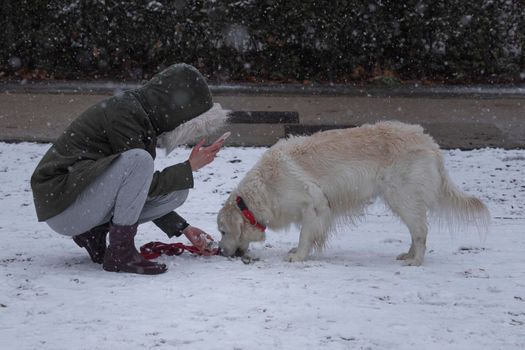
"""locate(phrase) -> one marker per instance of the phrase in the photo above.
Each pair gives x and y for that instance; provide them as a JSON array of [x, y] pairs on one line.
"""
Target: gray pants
[[120, 194]]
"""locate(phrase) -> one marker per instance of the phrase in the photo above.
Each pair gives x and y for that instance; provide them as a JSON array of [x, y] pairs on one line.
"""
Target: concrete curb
[[404, 90]]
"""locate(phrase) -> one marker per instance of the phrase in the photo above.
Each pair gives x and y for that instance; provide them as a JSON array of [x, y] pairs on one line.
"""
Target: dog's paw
[[293, 256], [405, 256], [246, 259], [413, 262]]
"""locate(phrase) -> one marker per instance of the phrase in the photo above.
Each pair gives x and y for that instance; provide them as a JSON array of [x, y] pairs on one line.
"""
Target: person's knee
[[138, 158], [157, 207], [177, 198], [183, 195]]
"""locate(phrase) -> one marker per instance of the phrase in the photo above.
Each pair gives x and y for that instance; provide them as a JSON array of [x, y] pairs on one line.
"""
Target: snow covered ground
[[469, 294]]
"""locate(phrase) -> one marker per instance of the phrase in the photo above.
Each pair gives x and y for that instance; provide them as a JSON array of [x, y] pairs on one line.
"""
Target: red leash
[[153, 250]]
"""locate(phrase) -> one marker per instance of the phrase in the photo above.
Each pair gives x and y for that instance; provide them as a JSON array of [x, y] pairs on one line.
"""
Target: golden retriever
[[326, 179]]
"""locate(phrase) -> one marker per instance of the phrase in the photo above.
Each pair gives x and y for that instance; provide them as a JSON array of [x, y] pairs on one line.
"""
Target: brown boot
[[94, 241], [121, 254]]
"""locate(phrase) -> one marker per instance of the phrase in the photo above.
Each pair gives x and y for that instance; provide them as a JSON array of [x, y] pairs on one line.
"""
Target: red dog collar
[[248, 214]]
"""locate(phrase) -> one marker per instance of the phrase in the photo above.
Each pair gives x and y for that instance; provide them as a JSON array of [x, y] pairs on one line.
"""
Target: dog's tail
[[459, 209]]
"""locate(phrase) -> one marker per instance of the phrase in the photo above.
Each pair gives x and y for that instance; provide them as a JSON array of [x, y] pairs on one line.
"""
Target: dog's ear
[[250, 233], [239, 227], [257, 235], [232, 220]]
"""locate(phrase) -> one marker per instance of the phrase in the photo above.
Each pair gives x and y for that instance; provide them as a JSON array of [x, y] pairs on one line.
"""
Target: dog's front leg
[[300, 253], [313, 226]]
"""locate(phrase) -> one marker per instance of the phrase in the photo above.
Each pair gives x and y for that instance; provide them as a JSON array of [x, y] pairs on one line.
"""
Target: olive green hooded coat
[[133, 119]]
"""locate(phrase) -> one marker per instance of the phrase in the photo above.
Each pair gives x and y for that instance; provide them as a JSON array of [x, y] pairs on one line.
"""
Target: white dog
[[331, 176]]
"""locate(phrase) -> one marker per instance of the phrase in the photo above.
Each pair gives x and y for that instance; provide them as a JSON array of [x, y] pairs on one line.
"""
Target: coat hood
[[172, 97]]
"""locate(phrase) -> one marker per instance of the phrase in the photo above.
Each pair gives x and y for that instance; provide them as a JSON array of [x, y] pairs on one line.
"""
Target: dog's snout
[[239, 252], [231, 254]]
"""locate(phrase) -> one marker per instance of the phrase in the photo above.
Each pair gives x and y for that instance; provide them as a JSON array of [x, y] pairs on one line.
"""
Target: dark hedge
[[338, 41]]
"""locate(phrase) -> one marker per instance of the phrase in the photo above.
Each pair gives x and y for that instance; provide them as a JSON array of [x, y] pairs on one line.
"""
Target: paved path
[[457, 117]]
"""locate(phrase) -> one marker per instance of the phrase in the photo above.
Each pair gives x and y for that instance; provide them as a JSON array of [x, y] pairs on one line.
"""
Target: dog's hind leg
[[413, 212], [418, 231], [410, 191]]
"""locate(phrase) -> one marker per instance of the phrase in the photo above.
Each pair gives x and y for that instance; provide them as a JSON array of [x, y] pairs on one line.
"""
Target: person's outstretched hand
[[201, 156], [200, 239]]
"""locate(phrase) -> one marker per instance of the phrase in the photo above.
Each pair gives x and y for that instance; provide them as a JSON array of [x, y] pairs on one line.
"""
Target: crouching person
[[98, 177]]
